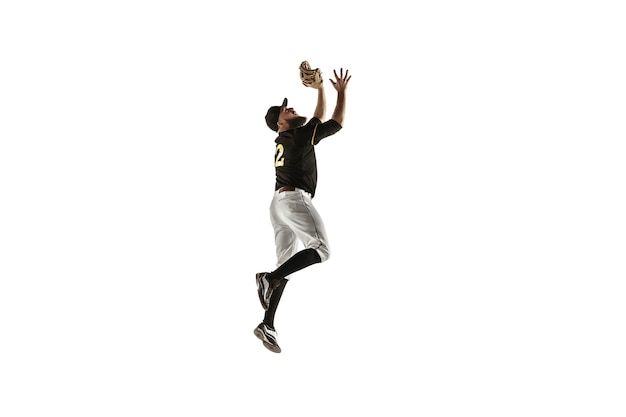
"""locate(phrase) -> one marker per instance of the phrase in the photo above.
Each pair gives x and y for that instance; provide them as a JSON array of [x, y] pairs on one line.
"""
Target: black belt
[[286, 188]]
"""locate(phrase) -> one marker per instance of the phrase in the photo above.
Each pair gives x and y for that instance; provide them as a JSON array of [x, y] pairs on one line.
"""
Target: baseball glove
[[310, 77]]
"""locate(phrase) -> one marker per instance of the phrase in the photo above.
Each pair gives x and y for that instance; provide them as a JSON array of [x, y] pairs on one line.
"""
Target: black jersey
[[295, 154]]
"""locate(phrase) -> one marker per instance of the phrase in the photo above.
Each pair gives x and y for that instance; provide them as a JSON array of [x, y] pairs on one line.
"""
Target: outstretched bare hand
[[341, 81]]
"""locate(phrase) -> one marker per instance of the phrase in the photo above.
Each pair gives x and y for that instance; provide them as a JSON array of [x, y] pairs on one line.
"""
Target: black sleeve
[[314, 131]]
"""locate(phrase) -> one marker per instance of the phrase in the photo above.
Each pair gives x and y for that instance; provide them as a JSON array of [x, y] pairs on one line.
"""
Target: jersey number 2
[[280, 161]]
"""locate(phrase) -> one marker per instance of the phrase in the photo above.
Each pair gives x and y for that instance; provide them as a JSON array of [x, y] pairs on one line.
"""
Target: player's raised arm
[[320, 109], [313, 78], [340, 84]]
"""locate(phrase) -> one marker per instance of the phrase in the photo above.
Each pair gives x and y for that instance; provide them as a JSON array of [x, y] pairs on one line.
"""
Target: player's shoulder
[[303, 133], [330, 123], [309, 126]]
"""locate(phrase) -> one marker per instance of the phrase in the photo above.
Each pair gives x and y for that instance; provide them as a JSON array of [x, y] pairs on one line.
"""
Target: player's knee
[[324, 252]]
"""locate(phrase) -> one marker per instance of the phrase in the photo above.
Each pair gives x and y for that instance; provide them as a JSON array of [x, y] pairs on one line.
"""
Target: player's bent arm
[[320, 109], [340, 108]]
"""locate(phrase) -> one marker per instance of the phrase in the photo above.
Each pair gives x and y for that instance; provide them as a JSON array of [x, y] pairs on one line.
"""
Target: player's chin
[[297, 122]]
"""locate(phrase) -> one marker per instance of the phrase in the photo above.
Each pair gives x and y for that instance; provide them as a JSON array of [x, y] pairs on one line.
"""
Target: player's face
[[291, 118], [288, 113]]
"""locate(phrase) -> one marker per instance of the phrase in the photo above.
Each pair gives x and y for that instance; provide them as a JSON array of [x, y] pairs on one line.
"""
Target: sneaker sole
[[259, 334]]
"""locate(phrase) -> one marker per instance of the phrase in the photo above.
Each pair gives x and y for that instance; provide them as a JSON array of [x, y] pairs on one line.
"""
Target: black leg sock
[[297, 262], [274, 300]]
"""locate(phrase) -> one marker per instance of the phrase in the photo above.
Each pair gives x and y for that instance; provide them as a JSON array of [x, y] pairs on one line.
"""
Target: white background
[[474, 202]]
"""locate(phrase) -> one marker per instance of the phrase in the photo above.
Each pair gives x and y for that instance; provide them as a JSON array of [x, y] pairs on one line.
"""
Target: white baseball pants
[[295, 220]]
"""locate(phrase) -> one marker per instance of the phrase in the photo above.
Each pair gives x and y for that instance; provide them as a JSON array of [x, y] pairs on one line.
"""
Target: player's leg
[[286, 243], [286, 246], [285, 239], [308, 226], [299, 214], [277, 293]]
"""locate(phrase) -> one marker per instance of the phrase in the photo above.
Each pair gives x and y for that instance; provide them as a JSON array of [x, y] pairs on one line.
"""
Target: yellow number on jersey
[[280, 161]]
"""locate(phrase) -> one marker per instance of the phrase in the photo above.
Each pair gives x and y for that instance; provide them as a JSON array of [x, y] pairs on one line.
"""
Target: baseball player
[[293, 216]]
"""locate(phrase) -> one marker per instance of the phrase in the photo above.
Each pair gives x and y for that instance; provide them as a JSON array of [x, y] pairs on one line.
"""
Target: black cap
[[271, 118]]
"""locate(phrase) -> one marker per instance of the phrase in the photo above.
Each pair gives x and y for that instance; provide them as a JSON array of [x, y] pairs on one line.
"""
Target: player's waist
[[287, 188]]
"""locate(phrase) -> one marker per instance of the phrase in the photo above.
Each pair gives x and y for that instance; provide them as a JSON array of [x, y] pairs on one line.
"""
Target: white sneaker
[[267, 334]]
